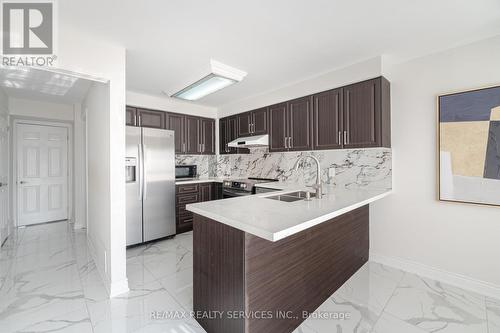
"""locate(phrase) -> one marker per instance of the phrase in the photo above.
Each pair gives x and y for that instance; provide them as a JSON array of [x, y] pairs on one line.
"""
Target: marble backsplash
[[353, 167]]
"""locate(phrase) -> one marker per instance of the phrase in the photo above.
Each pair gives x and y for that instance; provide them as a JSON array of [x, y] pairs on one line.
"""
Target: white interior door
[[42, 173], [4, 175]]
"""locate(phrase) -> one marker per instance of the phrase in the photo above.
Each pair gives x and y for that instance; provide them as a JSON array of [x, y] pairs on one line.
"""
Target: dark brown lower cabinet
[[192, 193], [236, 271]]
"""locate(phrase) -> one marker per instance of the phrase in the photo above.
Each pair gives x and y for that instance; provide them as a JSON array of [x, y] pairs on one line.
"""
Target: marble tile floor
[[48, 283]]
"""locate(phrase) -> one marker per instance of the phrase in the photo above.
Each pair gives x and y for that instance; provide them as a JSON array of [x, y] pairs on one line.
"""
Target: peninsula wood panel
[[218, 273], [236, 271], [300, 272]]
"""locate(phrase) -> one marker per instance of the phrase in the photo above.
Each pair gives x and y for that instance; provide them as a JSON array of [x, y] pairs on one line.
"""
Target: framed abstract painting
[[469, 146]]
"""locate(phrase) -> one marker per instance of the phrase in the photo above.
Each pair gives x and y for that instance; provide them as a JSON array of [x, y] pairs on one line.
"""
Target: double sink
[[291, 197]]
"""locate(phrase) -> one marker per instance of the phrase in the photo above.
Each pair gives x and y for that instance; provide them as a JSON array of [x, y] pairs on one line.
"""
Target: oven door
[[232, 193]]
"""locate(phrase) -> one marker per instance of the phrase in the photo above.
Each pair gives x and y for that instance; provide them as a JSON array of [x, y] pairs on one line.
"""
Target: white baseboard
[[112, 288], [458, 280]]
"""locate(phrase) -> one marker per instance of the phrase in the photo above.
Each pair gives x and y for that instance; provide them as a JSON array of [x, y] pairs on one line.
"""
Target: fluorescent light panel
[[209, 84]]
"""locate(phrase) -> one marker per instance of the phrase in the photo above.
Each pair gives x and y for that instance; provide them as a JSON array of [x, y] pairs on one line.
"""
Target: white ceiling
[[169, 43], [42, 85]]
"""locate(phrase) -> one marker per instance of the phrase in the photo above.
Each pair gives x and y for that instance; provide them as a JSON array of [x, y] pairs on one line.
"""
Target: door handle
[[140, 167], [145, 160]]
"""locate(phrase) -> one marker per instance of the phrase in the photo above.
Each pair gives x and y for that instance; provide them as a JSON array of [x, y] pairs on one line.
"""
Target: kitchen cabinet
[[193, 135], [252, 123], [327, 120], [300, 124], [290, 125], [278, 127], [366, 112], [207, 136], [228, 131], [131, 116], [192, 193], [206, 192], [150, 118], [175, 122]]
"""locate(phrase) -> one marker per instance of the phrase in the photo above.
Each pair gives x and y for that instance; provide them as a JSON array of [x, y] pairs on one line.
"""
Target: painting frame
[[439, 131]]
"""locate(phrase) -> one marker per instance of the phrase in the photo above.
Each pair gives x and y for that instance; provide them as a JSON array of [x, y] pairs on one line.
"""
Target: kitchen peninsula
[[267, 263]]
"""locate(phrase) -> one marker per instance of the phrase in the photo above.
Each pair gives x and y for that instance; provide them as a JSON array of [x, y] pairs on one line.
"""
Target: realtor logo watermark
[[28, 33]]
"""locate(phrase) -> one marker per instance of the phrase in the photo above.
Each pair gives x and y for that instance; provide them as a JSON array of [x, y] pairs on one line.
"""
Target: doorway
[[41, 172]]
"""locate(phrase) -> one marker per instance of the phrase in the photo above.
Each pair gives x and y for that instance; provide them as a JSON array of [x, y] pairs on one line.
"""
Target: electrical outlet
[[331, 172]]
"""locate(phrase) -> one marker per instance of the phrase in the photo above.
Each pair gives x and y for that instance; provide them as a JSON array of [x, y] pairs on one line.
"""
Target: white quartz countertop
[[274, 220], [198, 180]]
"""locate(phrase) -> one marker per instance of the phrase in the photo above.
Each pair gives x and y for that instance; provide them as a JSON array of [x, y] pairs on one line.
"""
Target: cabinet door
[[327, 120], [232, 133], [192, 130], [207, 136], [131, 116], [278, 127], [259, 121], [362, 114], [300, 124], [206, 192], [223, 136], [149, 118], [175, 122], [244, 124]]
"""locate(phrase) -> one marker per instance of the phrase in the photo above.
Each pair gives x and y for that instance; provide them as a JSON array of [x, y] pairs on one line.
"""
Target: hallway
[[49, 284]]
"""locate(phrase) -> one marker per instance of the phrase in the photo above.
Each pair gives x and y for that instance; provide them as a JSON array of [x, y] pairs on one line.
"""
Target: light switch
[[331, 172]]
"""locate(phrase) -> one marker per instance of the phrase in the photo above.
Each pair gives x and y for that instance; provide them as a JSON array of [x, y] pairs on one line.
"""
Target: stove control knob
[[243, 185]]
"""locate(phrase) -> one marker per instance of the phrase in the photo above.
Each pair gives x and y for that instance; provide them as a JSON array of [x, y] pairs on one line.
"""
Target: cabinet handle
[[285, 142], [183, 147], [346, 138], [290, 142], [253, 128], [140, 120], [340, 138]]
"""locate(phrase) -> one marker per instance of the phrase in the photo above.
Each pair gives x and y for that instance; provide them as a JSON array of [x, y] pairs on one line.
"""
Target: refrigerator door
[[133, 185], [159, 183]]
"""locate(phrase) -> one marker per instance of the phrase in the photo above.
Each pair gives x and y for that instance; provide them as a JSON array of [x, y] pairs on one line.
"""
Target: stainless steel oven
[[241, 187], [185, 171]]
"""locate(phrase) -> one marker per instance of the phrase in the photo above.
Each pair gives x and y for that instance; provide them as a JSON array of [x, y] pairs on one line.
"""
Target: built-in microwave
[[185, 171]]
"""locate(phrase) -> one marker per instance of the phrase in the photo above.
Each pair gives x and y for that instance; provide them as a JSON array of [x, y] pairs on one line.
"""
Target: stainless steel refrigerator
[[150, 183]]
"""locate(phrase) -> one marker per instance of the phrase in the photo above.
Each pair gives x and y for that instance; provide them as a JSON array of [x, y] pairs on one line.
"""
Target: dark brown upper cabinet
[[252, 122], [290, 125], [327, 120], [228, 131], [300, 124], [366, 113], [192, 135], [175, 122], [131, 116], [278, 128], [150, 118], [244, 121], [207, 136]]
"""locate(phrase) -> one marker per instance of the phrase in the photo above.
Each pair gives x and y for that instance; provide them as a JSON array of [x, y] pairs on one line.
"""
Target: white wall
[[165, 103], [80, 167], [333, 79], [411, 228], [5, 158], [40, 110], [98, 59]]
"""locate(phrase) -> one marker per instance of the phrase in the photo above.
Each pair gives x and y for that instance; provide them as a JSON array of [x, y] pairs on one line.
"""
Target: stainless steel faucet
[[318, 187]]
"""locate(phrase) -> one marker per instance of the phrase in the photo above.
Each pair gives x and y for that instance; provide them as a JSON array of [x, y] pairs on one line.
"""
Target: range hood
[[250, 141]]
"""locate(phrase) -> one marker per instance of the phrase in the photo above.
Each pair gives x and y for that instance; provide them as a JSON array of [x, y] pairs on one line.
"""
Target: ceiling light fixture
[[221, 76]]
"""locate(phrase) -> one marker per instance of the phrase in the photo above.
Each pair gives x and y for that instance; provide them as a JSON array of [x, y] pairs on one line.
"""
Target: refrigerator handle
[[144, 180], [140, 171]]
